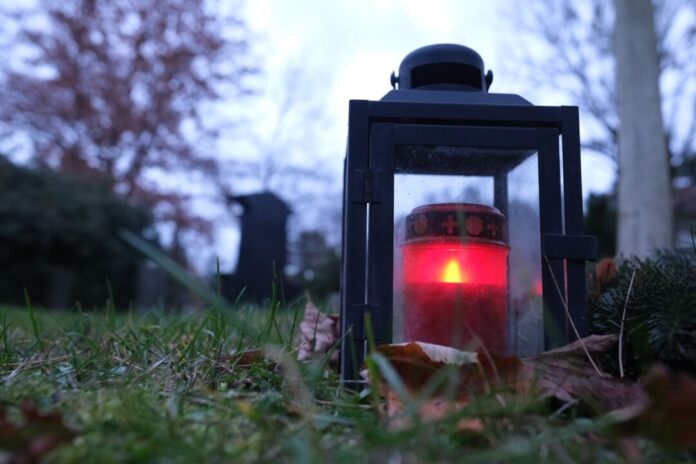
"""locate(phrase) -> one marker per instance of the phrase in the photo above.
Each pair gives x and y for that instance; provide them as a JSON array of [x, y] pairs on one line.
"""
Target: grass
[[158, 387]]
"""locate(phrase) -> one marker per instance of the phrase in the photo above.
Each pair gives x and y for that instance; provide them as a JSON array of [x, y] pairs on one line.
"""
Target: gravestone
[[151, 286], [262, 249]]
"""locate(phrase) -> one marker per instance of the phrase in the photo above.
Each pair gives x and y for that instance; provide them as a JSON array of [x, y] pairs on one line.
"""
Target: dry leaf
[[319, 333], [566, 374], [416, 362], [662, 407], [428, 352], [39, 434], [670, 415], [249, 358], [561, 371], [667, 413], [605, 275]]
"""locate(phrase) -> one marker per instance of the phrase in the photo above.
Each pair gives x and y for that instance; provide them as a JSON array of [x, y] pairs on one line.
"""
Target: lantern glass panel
[[454, 287], [525, 321]]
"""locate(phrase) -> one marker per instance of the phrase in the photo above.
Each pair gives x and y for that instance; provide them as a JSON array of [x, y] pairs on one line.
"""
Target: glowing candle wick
[[452, 273]]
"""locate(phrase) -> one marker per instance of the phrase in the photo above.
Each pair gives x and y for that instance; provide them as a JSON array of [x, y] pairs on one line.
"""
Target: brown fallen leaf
[[245, 360], [33, 439], [605, 275], [319, 333], [416, 363], [566, 374], [248, 358], [662, 407], [670, 415]]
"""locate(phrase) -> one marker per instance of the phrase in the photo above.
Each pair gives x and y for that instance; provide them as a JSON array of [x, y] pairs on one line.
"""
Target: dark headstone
[[263, 246]]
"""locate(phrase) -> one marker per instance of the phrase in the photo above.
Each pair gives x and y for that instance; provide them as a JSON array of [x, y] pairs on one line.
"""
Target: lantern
[[462, 219]]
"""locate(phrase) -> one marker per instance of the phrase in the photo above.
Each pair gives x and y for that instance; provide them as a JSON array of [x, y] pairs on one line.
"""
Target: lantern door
[[441, 267]]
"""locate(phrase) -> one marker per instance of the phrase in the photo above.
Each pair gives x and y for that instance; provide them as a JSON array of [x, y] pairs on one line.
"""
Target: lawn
[[107, 386]]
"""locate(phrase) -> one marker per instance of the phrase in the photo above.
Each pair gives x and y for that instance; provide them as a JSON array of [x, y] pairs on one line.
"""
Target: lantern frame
[[488, 121]]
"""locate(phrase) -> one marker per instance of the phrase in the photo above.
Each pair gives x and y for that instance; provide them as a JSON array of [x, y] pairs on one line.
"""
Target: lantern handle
[[394, 79]]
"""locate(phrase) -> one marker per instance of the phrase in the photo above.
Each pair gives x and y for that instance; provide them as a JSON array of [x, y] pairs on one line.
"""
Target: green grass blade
[[176, 271], [34, 322]]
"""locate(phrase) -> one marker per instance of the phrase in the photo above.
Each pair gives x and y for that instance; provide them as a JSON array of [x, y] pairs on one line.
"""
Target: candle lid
[[461, 221]]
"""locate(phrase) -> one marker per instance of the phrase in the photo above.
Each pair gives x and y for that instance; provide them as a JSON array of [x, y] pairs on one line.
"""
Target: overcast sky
[[357, 44], [353, 46]]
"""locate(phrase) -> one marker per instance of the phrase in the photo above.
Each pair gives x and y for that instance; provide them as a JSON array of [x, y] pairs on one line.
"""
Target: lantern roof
[[444, 67], [446, 73]]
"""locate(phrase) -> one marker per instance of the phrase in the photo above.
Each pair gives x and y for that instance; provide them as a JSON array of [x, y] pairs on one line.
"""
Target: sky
[[348, 49], [355, 45]]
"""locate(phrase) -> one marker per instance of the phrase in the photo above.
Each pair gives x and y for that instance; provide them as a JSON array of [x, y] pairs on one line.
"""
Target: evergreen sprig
[[660, 322]]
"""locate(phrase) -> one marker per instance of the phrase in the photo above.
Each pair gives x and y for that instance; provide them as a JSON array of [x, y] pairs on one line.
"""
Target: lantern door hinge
[[360, 316], [367, 186]]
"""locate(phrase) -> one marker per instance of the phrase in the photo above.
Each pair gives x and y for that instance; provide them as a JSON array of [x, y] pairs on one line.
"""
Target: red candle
[[455, 276]]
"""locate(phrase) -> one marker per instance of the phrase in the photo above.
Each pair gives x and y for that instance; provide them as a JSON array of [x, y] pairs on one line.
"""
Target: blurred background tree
[[58, 239], [645, 206], [118, 89], [112, 102], [571, 43]]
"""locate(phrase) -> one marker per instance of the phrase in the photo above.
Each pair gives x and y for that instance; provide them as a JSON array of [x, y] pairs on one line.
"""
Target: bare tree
[[566, 47], [645, 200], [117, 89], [287, 141], [288, 153]]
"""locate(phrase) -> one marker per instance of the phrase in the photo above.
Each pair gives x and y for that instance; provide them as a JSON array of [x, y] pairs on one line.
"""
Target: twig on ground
[[623, 318], [570, 319], [567, 405]]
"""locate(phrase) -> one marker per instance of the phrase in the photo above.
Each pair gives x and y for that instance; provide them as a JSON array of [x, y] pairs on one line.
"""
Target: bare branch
[[572, 40]]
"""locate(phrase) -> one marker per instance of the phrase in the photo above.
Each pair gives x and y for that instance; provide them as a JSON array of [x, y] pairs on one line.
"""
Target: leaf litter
[[437, 383], [662, 406]]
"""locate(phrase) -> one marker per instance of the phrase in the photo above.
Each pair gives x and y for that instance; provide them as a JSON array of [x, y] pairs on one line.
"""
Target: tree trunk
[[645, 199]]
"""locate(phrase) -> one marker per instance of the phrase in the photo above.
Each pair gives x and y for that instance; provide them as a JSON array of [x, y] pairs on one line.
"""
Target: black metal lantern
[[462, 220]]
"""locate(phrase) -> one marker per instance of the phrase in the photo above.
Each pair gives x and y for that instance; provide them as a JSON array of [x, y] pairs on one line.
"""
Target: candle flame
[[452, 273]]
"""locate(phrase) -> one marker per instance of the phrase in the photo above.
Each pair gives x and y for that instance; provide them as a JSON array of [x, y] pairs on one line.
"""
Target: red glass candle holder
[[455, 276]]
